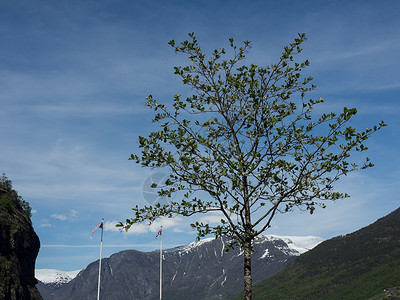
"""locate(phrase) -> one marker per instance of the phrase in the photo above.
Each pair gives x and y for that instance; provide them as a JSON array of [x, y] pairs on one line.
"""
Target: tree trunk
[[247, 270]]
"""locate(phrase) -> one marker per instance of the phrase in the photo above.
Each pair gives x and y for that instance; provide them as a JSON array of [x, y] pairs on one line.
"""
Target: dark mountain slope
[[355, 266]]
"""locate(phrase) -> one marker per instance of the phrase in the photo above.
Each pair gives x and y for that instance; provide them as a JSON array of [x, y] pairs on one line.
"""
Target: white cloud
[[59, 217], [45, 223], [166, 223], [212, 218], [74, 214], [71, 216], [142, 228]]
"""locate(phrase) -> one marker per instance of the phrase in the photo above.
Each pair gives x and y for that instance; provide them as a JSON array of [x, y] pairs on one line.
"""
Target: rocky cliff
[[19, 246]]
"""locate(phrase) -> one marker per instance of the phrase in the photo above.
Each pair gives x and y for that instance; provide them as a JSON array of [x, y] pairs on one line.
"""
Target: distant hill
[[201, 270], [356, 266]]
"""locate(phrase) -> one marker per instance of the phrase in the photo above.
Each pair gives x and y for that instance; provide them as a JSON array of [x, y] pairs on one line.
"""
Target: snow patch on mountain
[[53, 276], [265, 254], [296, 245], [300, 243], [190, 247]]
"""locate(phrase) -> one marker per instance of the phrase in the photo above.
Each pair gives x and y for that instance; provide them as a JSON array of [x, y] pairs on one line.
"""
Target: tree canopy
[[247, 143]]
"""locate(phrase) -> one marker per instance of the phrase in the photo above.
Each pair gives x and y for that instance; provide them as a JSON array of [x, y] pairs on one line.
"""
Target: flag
[[98, 226], [159, 233]]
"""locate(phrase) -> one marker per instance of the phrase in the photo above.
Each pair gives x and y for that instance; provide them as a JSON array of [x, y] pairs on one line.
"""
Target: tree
[[6, 184], [249, 140]]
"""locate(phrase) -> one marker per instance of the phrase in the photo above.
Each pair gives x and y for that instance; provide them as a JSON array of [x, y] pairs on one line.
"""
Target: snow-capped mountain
[[55, 277], [195, 271], [296, 245]]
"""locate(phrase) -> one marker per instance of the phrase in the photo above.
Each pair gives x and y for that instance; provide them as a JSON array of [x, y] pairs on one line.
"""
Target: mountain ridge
[[199, 266]]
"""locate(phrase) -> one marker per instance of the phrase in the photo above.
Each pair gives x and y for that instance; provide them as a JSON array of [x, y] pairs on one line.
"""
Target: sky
[[73, 80]]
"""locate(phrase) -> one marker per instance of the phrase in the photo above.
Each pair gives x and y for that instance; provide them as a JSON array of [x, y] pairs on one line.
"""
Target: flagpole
[[161, 265], [101, 248]]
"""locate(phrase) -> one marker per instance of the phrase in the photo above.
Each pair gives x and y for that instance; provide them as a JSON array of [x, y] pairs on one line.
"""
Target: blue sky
[[73, 80]]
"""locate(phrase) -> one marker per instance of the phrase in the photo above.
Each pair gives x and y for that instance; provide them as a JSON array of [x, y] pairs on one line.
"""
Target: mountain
[[55, 278], [356, 266], [51, 279], [200, 270], [19, 247]]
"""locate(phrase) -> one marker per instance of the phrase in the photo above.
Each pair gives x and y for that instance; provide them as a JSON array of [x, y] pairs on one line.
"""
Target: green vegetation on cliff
[[6, 200]]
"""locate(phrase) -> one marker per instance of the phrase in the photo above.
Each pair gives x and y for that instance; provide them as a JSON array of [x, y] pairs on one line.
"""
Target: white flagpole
[[161, 264], [101, 247]]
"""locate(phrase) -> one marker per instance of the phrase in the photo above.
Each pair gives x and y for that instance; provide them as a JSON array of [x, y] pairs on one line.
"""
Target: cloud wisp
[[173, 224]]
